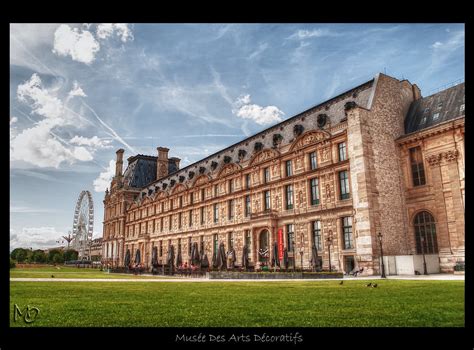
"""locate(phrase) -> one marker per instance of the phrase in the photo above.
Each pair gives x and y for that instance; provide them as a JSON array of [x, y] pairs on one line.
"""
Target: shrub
[[460, 266]]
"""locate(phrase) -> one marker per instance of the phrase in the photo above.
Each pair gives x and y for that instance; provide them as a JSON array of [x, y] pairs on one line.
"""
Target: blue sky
[[78, 92]]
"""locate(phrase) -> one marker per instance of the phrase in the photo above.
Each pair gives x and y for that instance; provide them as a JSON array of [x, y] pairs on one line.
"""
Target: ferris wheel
[[83, 224]]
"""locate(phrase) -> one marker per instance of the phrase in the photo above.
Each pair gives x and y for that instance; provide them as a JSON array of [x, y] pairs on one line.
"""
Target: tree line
[[54, 256]]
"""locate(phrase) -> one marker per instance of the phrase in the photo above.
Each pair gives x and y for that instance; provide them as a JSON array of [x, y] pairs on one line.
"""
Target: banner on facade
[[280, 244]]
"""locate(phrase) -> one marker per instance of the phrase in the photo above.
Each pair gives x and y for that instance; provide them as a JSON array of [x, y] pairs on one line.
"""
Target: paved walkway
[[438, 277]]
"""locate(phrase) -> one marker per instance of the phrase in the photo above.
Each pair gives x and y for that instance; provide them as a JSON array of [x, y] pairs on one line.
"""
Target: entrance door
[[264, 245], [349, 263]]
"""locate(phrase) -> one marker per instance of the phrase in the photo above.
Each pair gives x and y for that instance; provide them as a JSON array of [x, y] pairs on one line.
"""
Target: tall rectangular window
[[171, 204], [170, 221], [290, 235], [180, 217], [162, 224], [190, 218], [161, 248], [203, 194], [231, 204], [344, 184], [231, 185], [191, 198], [289, 170], [216, 190], [202, 215], [313, 161], [342, 151], [347, 232], [215, 244], [317, 234], [216, 213], [231, 240], [247, 181], [417, 168], [162, 207], [248, 209], [314, 185], [266, 196], [266, 175], [189, 246], [180, 201], [289, 196]]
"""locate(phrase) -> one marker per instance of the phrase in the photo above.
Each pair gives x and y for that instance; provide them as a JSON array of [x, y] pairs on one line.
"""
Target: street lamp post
[[329, 240], [422, 238], [301, 253], [68, 238], [381, 255]]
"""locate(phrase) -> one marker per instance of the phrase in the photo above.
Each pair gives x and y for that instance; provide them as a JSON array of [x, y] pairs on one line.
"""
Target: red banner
[[280, 244]]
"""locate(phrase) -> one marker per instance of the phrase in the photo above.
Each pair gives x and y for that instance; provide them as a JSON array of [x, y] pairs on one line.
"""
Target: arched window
[[425, 228]]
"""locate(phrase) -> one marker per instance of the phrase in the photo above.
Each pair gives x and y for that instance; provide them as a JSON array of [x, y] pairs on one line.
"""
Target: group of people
[[186, 267]]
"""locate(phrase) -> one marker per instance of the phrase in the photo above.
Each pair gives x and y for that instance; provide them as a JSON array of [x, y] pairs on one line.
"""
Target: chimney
[[416, 92], [162, 162], [119, 163]]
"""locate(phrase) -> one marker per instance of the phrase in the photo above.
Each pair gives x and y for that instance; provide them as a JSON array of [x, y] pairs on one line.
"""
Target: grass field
[[69, 272], [394, 303]]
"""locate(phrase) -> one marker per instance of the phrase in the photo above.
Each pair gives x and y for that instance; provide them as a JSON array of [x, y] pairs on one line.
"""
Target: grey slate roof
[[141, 170], [440, 107], [333, 108]]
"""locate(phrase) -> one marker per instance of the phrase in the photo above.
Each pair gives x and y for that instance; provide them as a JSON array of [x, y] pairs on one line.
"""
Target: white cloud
[[82, 154], [103, 181], [437, 45], [20, 209], [38, 146], [35, 237], [13, 120], [242, 100], [105, 30], [43, 101], [77, 90], [306, 34], [93, 142], [261, 115], [79, 44], [262, 47]]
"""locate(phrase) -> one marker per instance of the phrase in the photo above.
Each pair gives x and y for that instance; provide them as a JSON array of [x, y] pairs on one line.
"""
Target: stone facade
[[360, 143]]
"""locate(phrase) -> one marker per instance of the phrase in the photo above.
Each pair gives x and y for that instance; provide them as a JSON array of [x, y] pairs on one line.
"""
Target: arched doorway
[[263, 245], [425, 230]]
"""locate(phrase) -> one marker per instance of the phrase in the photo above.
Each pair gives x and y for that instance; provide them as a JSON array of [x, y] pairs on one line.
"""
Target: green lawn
[[242, 304], [68, 272]]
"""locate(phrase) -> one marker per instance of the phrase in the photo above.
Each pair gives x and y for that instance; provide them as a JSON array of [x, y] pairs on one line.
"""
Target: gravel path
[[439, 277]]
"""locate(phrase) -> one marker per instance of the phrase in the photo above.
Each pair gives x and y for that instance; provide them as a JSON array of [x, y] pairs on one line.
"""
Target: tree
[[70, 254], [12, 263], [38, 256], [19, 254], [53, 253], [58, 259]]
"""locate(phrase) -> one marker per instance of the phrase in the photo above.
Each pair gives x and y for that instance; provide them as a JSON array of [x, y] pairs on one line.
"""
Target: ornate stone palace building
[[378, 158]]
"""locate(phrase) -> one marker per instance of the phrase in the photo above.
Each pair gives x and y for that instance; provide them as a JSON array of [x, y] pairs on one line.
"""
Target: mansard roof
[[435, 109], [141, 170], [332, 108]]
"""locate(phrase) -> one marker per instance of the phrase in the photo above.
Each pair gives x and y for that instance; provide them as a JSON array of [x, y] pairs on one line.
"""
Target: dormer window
[[435, 116], [461, 108]]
